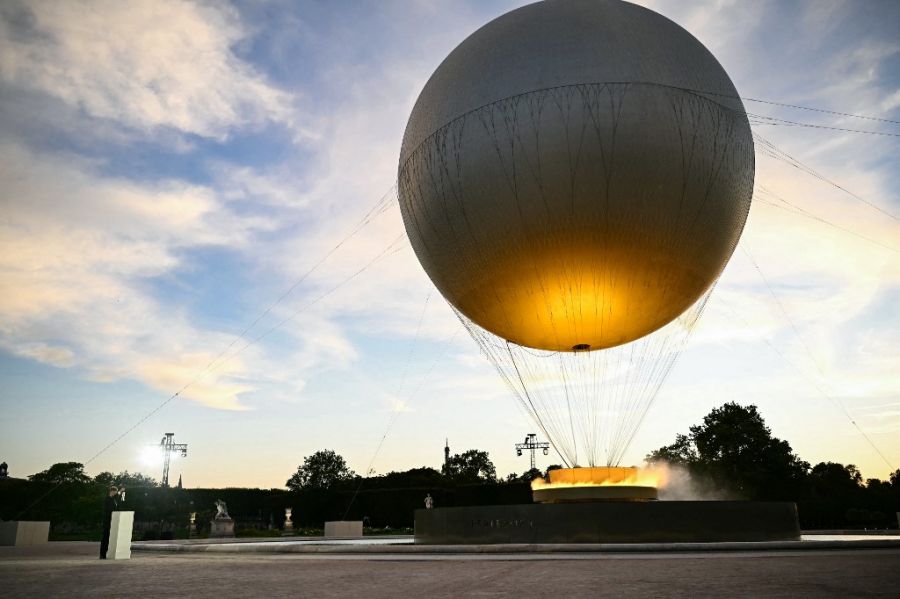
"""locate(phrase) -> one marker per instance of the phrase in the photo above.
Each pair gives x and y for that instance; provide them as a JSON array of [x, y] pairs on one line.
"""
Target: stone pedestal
[[20, 532], [221, 528], [288, 523], [344, 528], [192, 528], [120, 535], [610, 522]]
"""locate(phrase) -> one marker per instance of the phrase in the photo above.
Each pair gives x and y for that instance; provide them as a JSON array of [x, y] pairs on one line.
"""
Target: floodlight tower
[[169, 446], [532, 443]]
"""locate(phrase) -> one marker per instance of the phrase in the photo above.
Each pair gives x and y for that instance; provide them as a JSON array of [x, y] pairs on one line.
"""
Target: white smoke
[[676, 483]]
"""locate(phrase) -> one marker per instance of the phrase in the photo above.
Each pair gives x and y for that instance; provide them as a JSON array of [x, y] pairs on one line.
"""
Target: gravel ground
[[71, 570]]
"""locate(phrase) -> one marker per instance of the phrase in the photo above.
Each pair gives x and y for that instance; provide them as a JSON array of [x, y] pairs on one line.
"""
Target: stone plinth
[[288, 523], [120, 529], [21, 532], [221, 528], [344, 528], [610, 522]]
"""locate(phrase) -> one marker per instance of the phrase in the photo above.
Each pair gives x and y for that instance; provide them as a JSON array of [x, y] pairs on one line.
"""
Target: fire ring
[[594, 493], [574, 485]]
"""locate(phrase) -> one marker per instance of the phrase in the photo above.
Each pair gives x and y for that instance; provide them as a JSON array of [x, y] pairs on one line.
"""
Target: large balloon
[[576, 174]]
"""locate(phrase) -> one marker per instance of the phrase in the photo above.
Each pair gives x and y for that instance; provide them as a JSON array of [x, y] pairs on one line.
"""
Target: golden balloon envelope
[[576, 174]]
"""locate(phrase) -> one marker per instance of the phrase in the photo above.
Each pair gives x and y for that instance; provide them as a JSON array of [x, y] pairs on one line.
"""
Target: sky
[[170, 172]]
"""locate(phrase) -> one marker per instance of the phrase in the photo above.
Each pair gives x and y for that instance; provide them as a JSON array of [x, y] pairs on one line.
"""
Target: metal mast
[[531, 443], [169, 446]]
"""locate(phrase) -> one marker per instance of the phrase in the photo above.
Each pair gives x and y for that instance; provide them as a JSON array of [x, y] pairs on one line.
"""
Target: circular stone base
[[610, 522], [594, 493]]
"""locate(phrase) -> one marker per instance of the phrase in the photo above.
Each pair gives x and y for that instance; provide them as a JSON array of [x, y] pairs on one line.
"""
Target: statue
[[222, 524], [222, 510], [429, 502]]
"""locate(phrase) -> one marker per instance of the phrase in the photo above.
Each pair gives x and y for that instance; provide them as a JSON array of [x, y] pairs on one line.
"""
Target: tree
[[415, 477], [681, 452], [733, 448], [63, 472], [130, 480], [472, 466], [835, 491], [526, 477], [321, 470], [895, 478], [836, 483], [135, 479], [105, 478], [530, 475]]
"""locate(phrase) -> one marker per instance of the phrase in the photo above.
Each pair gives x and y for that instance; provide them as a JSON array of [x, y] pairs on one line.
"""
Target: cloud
[[84, 251], [77, 251], [145, 65], [64, 220], [172, 372], [61, 357]]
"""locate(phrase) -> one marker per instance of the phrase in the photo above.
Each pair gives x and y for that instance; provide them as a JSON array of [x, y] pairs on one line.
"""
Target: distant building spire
[[179, 481], [446, 455]]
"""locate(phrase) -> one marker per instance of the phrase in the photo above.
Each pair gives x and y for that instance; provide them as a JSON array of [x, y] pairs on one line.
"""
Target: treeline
[[323, 488], [732, 453], [384, 502]]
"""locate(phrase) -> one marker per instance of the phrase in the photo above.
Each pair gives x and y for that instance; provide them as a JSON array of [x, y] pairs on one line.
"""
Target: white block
[[21, 532], [120, 535], [40, 533], [344, 528]]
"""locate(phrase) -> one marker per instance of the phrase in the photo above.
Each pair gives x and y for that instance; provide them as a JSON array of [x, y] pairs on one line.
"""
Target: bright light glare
[[151, 456]]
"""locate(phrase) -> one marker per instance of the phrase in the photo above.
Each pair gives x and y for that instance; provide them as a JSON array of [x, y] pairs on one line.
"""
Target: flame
[[603, 477]]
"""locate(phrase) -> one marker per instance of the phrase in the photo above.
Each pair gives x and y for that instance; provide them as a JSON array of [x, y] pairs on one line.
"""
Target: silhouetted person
[[110, 505]]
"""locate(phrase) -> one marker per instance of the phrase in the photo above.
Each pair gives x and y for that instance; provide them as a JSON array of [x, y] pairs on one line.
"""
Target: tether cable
[[812, 359]]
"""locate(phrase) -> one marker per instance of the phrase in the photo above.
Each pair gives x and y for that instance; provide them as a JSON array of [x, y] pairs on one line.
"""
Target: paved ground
[[71, 570]]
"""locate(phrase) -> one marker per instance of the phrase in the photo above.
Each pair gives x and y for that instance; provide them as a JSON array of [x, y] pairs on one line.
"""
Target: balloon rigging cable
[[796, 332], [782, 204], [771, 150]]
